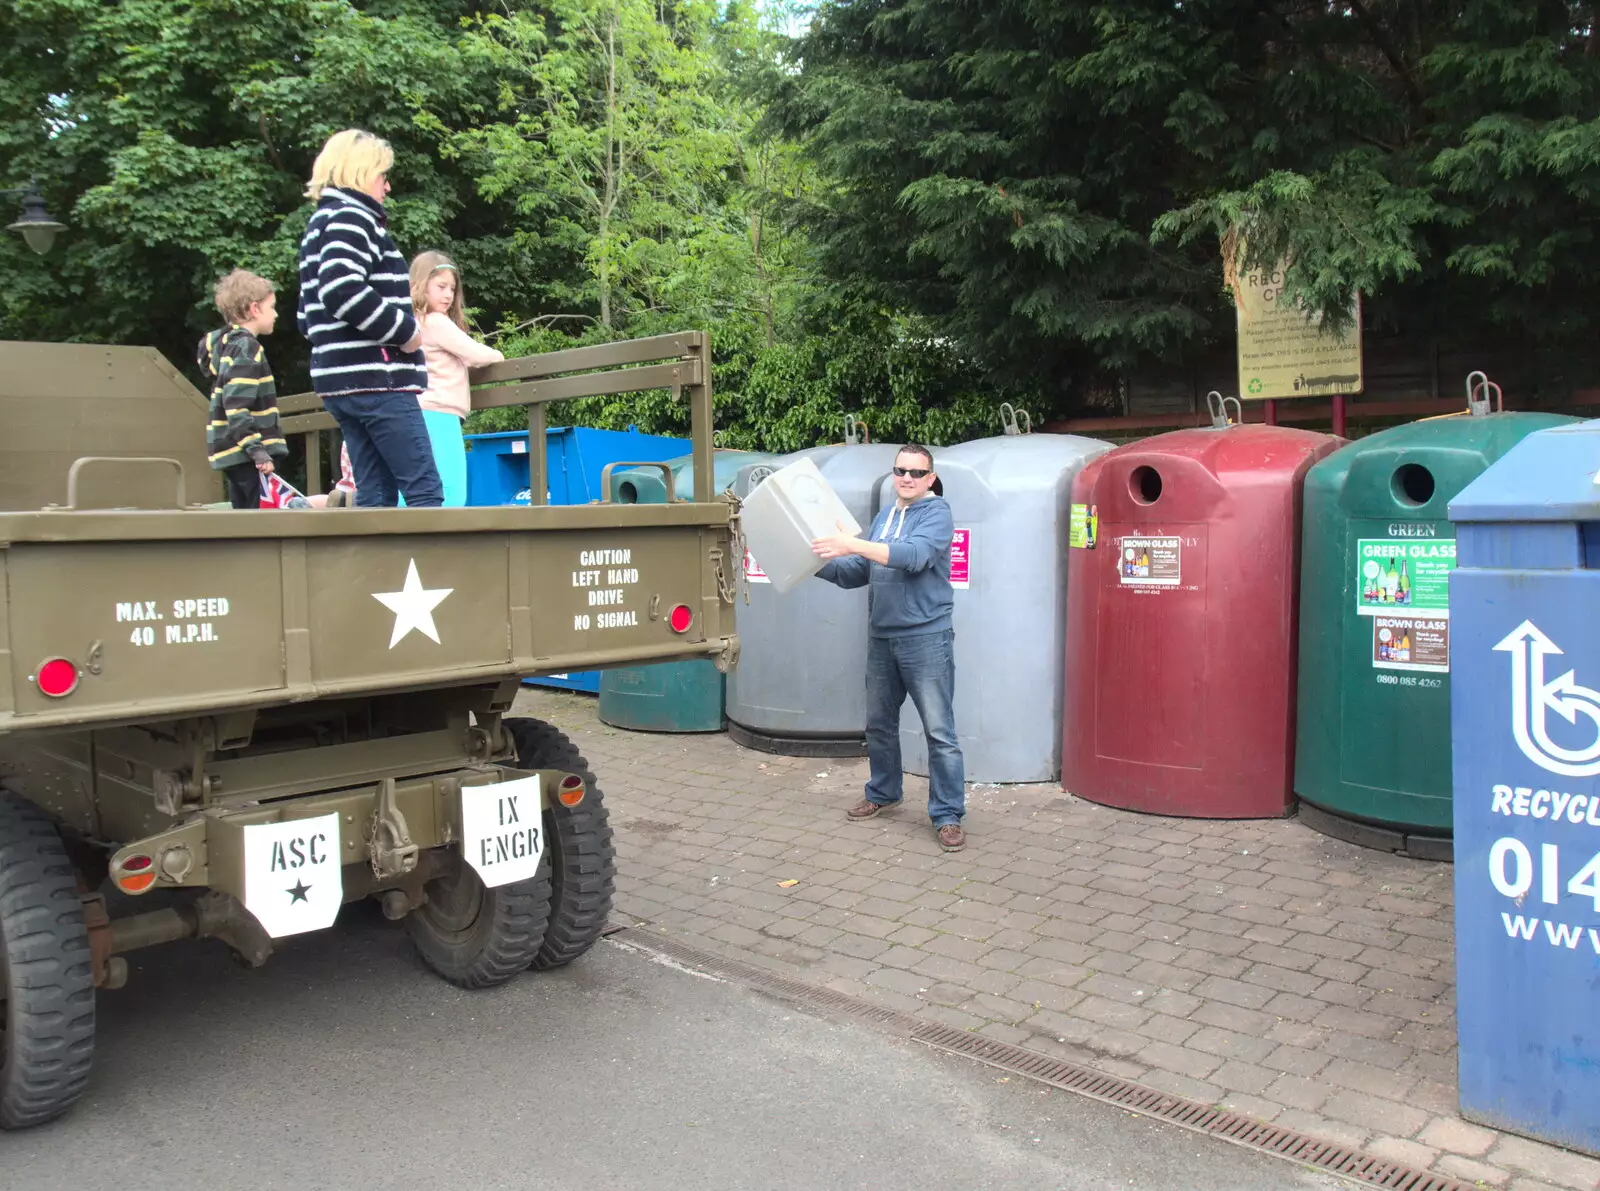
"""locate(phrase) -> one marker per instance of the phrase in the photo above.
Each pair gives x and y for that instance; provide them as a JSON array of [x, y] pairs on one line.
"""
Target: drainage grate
[[1059, 1073], [1206, 1118]]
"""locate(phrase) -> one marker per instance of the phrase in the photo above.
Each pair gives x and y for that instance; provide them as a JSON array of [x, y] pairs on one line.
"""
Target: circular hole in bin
[[1413, 484], [1145, 485], [627, 494]]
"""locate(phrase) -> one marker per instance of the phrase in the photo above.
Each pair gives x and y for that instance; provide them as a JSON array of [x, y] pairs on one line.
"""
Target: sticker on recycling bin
[[1150, 562], [1404, 576], [1411, 643], [961, 559], [1083, 526]]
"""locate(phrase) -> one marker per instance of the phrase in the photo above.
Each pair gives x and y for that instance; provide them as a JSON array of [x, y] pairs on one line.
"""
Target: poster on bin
[[1083, 527], [1404, 576], [1150, 561], [1415, 643], [961, 559]]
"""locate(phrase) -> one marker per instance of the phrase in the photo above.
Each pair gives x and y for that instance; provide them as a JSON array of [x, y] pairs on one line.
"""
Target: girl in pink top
[[450, 351]]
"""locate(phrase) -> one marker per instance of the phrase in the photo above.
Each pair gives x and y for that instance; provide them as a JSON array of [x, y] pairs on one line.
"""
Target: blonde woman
[[355, 308], [436, 298]]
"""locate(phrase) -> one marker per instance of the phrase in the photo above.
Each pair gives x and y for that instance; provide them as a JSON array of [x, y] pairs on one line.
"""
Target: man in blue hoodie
[[905, 563]]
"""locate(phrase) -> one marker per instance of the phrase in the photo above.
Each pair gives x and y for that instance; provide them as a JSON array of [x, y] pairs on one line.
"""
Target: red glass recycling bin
[[1182, 587]]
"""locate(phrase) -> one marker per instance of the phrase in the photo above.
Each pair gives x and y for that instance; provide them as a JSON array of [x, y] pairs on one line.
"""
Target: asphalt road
[[344, 1064]]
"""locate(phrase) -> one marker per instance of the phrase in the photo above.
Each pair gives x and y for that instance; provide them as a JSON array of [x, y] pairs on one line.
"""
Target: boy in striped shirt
[[242, 437]]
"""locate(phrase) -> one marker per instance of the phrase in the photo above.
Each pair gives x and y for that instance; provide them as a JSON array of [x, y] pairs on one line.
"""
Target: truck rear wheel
[[477, 937], [46, 974], [583, 857]]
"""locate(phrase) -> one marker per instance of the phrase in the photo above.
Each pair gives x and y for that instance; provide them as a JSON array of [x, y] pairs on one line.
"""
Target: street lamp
[[37, 227]]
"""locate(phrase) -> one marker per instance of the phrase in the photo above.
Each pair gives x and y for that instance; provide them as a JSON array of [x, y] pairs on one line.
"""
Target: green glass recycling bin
[[1372, 739], [672, 696]]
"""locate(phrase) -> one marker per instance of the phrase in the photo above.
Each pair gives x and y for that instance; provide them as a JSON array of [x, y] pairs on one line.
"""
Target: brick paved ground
[[1256, 965]]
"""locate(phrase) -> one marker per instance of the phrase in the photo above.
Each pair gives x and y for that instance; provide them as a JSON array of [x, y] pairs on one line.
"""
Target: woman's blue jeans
[[390, 452]]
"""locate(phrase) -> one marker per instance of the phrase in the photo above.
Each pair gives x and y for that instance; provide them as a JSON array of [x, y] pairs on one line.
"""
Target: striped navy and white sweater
[[355, 300]]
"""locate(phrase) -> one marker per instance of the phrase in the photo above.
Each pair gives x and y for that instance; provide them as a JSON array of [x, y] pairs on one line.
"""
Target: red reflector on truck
[[134, 874], [681, 618], [56, 677], [571, 791]]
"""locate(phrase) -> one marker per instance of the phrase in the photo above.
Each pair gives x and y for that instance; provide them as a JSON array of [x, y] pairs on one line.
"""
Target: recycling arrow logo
[[1255, 385]]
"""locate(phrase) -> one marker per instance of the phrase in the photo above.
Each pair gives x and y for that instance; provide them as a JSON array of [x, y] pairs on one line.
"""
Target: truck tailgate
[[174, 613]]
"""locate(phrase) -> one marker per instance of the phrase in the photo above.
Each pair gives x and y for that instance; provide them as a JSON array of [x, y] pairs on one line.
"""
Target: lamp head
[[38, 229]]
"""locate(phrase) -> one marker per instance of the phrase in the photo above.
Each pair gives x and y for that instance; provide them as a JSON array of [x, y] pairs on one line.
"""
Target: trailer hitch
[[389, 844]]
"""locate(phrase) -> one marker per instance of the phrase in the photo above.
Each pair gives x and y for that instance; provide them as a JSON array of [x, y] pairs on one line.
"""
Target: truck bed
[[171, 613]]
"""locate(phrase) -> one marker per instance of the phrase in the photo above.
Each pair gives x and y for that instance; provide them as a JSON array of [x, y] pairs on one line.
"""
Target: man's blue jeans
[[390, 451], [924, 667]]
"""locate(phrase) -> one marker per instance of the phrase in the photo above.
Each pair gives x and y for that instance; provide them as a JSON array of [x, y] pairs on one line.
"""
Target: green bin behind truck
[[1372, 747], [675, 696]]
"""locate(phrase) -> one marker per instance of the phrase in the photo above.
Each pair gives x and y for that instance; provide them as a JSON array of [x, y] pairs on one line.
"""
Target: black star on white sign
[[298, 893]]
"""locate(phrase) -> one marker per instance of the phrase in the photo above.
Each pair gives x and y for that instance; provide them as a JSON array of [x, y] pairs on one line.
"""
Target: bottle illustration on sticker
[[1383, 583], [1405, 584]]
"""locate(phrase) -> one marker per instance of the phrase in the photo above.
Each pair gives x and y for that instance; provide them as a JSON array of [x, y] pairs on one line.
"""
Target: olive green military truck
[[240, 721]]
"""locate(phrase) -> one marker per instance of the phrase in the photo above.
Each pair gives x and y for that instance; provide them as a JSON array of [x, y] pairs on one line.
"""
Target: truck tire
[[583, 857], [46, 974], [477, 937]]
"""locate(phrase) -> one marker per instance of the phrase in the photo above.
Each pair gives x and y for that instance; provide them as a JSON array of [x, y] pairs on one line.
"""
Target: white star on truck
[[413, 607]]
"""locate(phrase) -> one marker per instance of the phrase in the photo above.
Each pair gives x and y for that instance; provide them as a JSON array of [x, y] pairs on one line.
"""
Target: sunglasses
[[916, 473]]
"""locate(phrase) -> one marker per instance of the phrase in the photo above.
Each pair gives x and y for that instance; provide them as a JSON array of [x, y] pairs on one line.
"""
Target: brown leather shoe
[[951, 837], [864, 809]]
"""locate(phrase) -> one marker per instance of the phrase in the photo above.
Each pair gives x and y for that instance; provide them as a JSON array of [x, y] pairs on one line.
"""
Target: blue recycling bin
[[1525, 732], [575, 456], [497, 464]]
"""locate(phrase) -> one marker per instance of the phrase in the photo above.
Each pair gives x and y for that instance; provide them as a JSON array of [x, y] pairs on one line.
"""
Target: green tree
[[606, 136], [175, 139], [598, 167], [1051, 181]]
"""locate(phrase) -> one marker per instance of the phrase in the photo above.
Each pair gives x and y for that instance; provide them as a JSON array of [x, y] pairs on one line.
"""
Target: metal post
[[1338, 415], [1270, 411], [537, 484], [700, 419]]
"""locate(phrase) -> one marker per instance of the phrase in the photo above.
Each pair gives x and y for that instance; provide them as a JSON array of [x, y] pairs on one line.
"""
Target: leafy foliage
[[597, 167], [1051, 180], [175, 139]]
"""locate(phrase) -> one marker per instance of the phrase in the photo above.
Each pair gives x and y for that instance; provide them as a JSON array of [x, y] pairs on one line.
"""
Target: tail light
[[56, 677], [681, 618], [134, 874], [571, 791]]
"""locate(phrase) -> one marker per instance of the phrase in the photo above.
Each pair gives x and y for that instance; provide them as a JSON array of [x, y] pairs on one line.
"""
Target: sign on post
[[1285, 353]]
